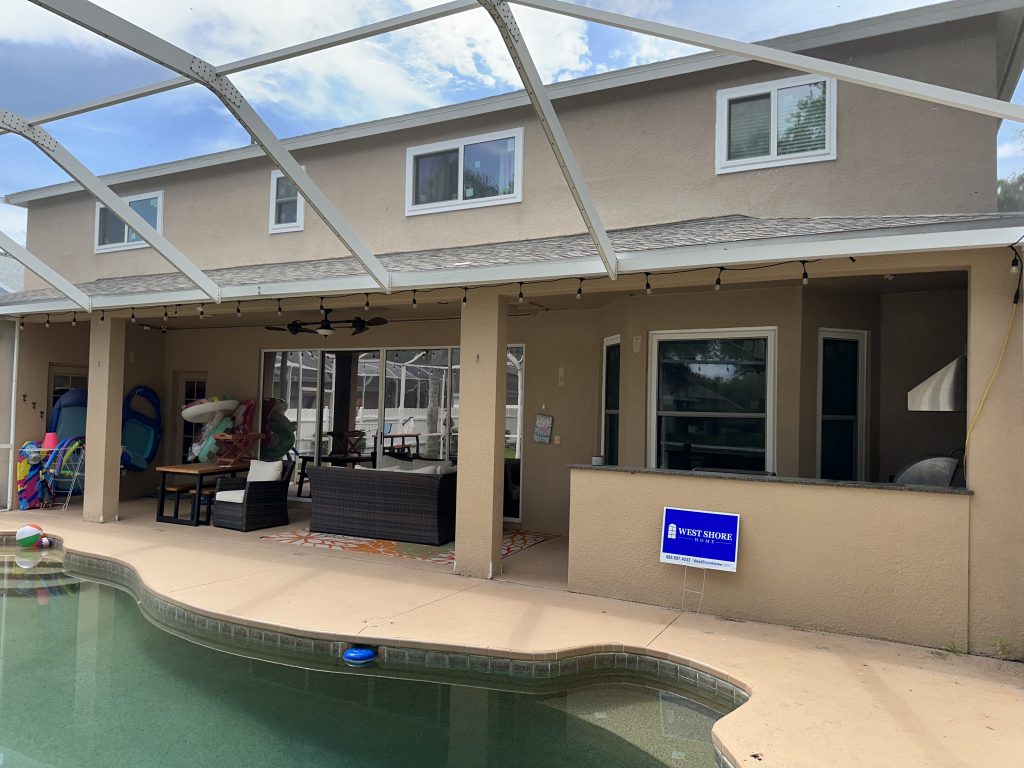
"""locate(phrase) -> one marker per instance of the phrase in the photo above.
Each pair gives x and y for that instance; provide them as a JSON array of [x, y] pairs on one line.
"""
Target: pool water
[[86, 680]]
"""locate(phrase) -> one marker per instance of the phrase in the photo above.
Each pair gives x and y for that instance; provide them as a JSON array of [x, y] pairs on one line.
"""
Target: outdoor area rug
[[511, 542]]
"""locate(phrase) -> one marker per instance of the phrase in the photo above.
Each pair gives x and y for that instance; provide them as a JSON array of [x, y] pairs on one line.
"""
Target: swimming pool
[[86, 680]]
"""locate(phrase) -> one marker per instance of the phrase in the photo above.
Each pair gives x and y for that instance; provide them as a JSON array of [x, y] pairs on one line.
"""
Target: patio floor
[[816, 699]]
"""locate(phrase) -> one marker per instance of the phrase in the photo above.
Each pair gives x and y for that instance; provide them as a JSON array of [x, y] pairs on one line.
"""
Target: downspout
[[12, 485]]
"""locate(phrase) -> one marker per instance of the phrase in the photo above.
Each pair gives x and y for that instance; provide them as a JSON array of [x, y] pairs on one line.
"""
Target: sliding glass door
[[416, 411]]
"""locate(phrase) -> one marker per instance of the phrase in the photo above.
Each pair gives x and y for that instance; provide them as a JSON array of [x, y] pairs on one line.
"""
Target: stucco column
[[478, 517], [103, 420], [994, 462]]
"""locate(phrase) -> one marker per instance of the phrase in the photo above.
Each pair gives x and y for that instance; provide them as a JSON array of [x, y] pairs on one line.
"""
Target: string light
[[175, 310], [1015, 264], [21, 325], [520, 293], [278, 307], [163, 328], [647, 283], [579, 291], [74, 319], [102, 316], [238, 309], [165, 313], [47, 323], [202, 312], [465, 296], [323, 310], [718, 280], [804, 278], [133, 315], [366, 302], [414, 299]]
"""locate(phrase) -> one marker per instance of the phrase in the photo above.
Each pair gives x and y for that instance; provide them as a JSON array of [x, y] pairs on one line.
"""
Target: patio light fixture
[[579, 291], [278, 307], [718, 280], [47, 323], [804, 278], [465, 296], [647, 283], [414, 299], [366, 302], [74, 319], [133, 315], [520, 293]]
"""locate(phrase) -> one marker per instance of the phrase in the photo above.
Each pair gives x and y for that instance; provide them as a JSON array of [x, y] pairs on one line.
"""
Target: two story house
[[813, 325]]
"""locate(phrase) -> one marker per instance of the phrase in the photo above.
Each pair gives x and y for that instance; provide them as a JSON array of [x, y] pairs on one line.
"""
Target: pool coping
[[497, 667]]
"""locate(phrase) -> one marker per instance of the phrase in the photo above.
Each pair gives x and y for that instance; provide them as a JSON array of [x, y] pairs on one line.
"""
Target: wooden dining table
[[198, 471]]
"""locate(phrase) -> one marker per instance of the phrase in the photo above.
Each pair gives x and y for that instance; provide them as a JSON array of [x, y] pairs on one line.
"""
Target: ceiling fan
[[326, 326]]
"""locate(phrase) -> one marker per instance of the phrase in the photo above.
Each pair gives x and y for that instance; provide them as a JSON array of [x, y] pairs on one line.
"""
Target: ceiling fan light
[[325, 331]]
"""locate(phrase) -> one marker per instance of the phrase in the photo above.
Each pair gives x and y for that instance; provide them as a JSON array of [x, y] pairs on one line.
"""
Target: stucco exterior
[[647, 151]]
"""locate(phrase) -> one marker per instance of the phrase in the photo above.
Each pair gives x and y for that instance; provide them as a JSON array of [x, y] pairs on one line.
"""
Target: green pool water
[[86, 681]]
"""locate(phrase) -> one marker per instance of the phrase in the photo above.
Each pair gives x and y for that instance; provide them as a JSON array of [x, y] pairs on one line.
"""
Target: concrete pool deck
[[817, 699]]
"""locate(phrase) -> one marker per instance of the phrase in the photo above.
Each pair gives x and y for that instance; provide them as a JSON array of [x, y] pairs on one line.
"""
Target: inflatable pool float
[[278, 430], [140, 434], [215, 414], [206, 410], [29, 470], [68, 417]]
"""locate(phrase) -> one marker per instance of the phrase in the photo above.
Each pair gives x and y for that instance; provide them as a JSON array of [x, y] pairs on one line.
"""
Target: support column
[[481, 474], [103, 420]]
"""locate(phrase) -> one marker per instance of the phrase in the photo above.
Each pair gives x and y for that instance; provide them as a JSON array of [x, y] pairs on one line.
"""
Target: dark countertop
[[775, 479]]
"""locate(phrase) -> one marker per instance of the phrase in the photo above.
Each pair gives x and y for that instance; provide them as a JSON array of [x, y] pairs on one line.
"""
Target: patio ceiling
[[374, 274]]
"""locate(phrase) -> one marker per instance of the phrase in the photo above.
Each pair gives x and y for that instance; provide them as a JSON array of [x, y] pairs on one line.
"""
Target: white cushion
[[235, 497], [424, 471], [449, 470], [262, 471]]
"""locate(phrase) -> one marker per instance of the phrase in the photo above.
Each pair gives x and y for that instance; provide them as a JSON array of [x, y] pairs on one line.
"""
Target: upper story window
[[784, 122], [286, 204], [112, 234], [465, 173]]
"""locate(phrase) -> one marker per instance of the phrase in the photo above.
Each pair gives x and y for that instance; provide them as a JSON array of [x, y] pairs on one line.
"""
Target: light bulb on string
[[133, 315], [366, 302], [718, 280], [414, 299], [521, 293], [165, 313], [202, 312], [238, 309], [579, 291], [21, 325], [647, 283], [279, 310], [74, 319], [102, 316], [1015, 264], [804, 278], [47, 323], [465, 296], [323, 310]]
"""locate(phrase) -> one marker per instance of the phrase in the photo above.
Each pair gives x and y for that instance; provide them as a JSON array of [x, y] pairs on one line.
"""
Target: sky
[[49, 63]]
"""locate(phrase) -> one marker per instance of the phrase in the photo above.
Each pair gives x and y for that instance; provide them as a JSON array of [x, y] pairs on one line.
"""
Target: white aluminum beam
[[272, 57], [32, 263], [76, 170], [113, 27], [903, 86], [520, 52]]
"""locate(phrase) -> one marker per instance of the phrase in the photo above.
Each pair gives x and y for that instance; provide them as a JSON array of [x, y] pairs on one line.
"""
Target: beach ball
[[28, 535]]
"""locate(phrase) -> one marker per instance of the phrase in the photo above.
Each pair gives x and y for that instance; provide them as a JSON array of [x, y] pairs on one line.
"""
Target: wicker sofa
[[377, 504]]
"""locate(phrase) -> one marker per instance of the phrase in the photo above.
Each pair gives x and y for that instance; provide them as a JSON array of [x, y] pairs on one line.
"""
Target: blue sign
[[701, 539]]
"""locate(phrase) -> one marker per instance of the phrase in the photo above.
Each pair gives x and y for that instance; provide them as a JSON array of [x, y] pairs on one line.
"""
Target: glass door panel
[[291, 376], [416, 385], [348, 380]]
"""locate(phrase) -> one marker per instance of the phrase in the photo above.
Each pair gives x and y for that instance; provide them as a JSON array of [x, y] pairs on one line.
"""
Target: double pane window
[[712, 406], [481, 170], [286, 204], [790, 121], [113, 234]]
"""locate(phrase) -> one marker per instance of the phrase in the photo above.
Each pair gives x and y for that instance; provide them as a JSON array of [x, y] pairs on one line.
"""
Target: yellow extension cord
[[991, 380]]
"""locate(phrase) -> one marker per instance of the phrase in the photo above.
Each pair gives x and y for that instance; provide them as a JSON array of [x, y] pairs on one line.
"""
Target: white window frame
[[126, 246], [609, 341], [863, 338], [768, 332], [773, 160], [300, 208], [411, 153]]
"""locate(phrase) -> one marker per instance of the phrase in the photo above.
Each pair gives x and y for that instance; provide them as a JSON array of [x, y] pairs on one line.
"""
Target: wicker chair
[[264, 505], [397, 506]]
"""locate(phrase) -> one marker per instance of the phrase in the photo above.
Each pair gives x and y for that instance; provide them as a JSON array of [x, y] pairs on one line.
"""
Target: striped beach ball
[[28, 535]]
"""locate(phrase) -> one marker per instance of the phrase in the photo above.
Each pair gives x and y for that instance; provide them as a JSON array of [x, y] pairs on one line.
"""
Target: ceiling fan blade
[[275, 327], [377, 321], [356, 330]]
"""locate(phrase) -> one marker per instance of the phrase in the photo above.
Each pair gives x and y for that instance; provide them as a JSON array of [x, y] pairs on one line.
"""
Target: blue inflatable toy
[[68, 417], [140, 434]]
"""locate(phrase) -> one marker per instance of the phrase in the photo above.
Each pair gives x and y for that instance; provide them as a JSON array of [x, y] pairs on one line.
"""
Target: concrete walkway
[[816, 699]]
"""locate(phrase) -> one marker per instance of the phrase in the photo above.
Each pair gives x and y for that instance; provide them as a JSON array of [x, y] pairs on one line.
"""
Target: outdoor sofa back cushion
[[263, 471]]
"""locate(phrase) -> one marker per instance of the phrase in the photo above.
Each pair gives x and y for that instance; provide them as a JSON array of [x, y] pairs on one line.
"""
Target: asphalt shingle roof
[[693, 232]]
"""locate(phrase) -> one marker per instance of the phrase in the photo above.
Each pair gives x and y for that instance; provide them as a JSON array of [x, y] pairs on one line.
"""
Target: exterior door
[[841, 404]]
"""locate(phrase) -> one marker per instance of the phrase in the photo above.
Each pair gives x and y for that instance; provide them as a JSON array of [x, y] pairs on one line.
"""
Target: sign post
[[700, 539]]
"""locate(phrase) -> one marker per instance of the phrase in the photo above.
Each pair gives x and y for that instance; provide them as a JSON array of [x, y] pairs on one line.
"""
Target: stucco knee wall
[[877, 562]]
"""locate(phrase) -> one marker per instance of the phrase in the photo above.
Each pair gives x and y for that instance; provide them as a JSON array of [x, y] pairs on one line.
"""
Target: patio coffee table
[[200, 472]]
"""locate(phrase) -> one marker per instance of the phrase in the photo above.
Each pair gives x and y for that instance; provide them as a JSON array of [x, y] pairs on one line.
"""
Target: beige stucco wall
[[883, 563], [647, 152]]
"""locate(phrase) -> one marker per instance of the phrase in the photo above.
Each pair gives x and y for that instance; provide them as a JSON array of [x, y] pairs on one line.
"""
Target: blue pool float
[[359, 655], [68, 417], [140, 434]]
